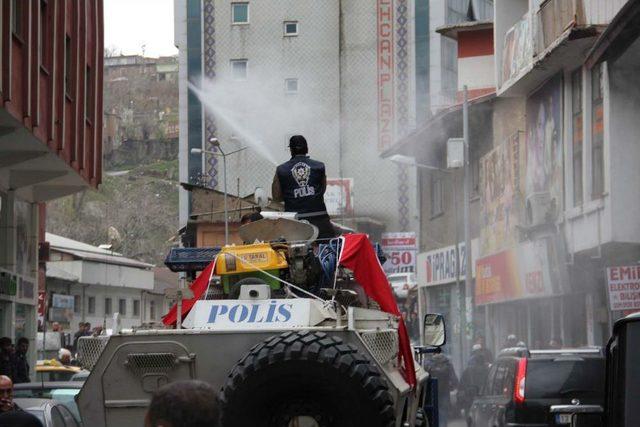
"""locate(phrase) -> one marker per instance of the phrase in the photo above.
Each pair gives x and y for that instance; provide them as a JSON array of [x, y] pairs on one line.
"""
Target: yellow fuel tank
[[249, 258]]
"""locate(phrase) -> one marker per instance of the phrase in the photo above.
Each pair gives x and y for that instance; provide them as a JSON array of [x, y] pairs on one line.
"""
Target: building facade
[[89, 284], [50, 135], [340, 73]]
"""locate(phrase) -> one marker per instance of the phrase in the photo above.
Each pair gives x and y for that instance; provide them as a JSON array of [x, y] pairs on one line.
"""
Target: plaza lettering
[[274, 312]]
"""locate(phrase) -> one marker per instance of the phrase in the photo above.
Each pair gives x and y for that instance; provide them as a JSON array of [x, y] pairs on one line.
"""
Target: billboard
[[501, 195], [401, 250], [438, 267], [623, 286], [544, 153], [338, 196], [518, 273], [386, 92]]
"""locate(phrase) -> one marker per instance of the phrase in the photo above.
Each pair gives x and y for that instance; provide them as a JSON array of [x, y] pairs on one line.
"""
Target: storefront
[[18, 268], [442, 291]]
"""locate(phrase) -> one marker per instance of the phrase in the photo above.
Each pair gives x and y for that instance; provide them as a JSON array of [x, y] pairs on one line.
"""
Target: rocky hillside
[[134, 209]]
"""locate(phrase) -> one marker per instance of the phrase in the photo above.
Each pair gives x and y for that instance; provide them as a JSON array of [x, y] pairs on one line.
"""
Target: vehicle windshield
[[553, 378]]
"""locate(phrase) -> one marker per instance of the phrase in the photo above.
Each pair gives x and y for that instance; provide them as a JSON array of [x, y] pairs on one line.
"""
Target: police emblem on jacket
[[301, 172]]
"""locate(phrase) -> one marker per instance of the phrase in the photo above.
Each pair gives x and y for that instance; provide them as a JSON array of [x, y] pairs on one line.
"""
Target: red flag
[[198, 287], [358, 256]]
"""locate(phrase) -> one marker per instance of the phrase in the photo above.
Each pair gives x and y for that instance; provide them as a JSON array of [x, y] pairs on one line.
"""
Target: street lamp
[[216, 143]]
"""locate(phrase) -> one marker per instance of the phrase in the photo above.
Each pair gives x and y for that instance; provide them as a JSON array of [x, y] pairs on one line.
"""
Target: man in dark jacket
[[439, 367], [20, 363], [10, 413], [301, 183], [6, 357]]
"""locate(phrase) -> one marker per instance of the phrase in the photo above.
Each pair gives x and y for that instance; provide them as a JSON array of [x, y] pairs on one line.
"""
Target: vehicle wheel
[[234, 290], [306, 378]]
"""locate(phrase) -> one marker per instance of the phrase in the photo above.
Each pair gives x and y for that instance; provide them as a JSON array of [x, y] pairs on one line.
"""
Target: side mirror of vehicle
[[434, 334]]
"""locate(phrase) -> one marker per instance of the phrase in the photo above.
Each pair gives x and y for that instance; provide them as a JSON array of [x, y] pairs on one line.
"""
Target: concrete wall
[[624, 149], [100, 294], [107, 274]]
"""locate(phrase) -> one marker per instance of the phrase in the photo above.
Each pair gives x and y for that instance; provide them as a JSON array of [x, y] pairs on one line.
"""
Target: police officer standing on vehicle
[[301, 183]]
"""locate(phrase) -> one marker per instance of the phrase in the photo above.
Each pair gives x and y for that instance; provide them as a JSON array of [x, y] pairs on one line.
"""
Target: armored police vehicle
[[291, 332]]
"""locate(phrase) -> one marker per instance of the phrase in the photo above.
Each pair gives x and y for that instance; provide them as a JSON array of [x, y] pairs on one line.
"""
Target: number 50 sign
[[400, 249]]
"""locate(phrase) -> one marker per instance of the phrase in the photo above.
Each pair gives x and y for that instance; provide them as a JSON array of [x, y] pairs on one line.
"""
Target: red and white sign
[[623, 284], [338, 196], [401, 250], [386, 113]]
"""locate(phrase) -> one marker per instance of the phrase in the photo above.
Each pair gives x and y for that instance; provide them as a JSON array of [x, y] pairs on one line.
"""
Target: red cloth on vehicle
[[358, 256], [198, 287]]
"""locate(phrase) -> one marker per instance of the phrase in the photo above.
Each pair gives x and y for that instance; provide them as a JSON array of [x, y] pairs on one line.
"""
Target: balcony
[[541, 43]]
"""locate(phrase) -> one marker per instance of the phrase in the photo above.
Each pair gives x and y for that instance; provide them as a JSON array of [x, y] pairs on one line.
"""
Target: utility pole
[[468, 285]]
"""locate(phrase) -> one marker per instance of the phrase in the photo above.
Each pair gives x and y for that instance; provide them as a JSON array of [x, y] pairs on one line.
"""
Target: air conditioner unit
[[541, 209]]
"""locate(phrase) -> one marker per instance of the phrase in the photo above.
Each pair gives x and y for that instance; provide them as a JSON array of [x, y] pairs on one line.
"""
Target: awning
[[622, 31]]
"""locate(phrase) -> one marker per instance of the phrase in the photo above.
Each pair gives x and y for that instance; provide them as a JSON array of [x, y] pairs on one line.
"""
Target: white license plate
[[563, 418]]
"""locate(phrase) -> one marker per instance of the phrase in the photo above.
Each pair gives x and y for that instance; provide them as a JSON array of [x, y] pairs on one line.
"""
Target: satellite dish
[[260, 197]]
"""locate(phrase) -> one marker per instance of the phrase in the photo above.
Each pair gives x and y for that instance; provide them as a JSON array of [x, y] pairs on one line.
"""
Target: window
[[136, 308], [17, 18], [475, 174], [67, 67], [240, 13], [107, 306], [291, 85], [76, 303], [597, 134], [239, 69], [91, 305], [291, 28], [437, 207], [122, 307], [152, 310], [576, 111]]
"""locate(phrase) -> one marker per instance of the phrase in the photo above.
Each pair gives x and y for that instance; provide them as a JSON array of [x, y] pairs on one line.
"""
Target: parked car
[[402, 284], [522, 385], [51, 413], [62, 391]]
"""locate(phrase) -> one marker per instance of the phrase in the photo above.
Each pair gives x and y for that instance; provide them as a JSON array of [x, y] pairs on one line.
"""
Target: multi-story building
[[50, 138], [340, 73]]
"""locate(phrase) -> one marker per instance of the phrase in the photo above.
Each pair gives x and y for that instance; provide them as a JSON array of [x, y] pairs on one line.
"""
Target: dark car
[[522, 385]]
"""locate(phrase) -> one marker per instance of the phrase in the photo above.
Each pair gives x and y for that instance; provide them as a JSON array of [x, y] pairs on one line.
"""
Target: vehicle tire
[[234, 290], [306, 374]]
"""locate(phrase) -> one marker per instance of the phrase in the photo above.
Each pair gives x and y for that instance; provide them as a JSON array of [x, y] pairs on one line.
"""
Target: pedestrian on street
[[6, 357], [473, 377], [20, 362], [439, 367], [184, 404], [486, 353], [10, 413], [82, 328]]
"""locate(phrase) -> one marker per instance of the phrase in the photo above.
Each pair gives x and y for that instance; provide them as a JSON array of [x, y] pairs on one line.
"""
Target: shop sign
[[62, 301], [400, 250], [386, 66], [439, 266], [512, 274], [623, 284], [338, 196]]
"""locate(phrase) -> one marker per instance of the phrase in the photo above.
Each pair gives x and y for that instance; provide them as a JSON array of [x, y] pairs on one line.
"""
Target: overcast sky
[[130, 24]]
